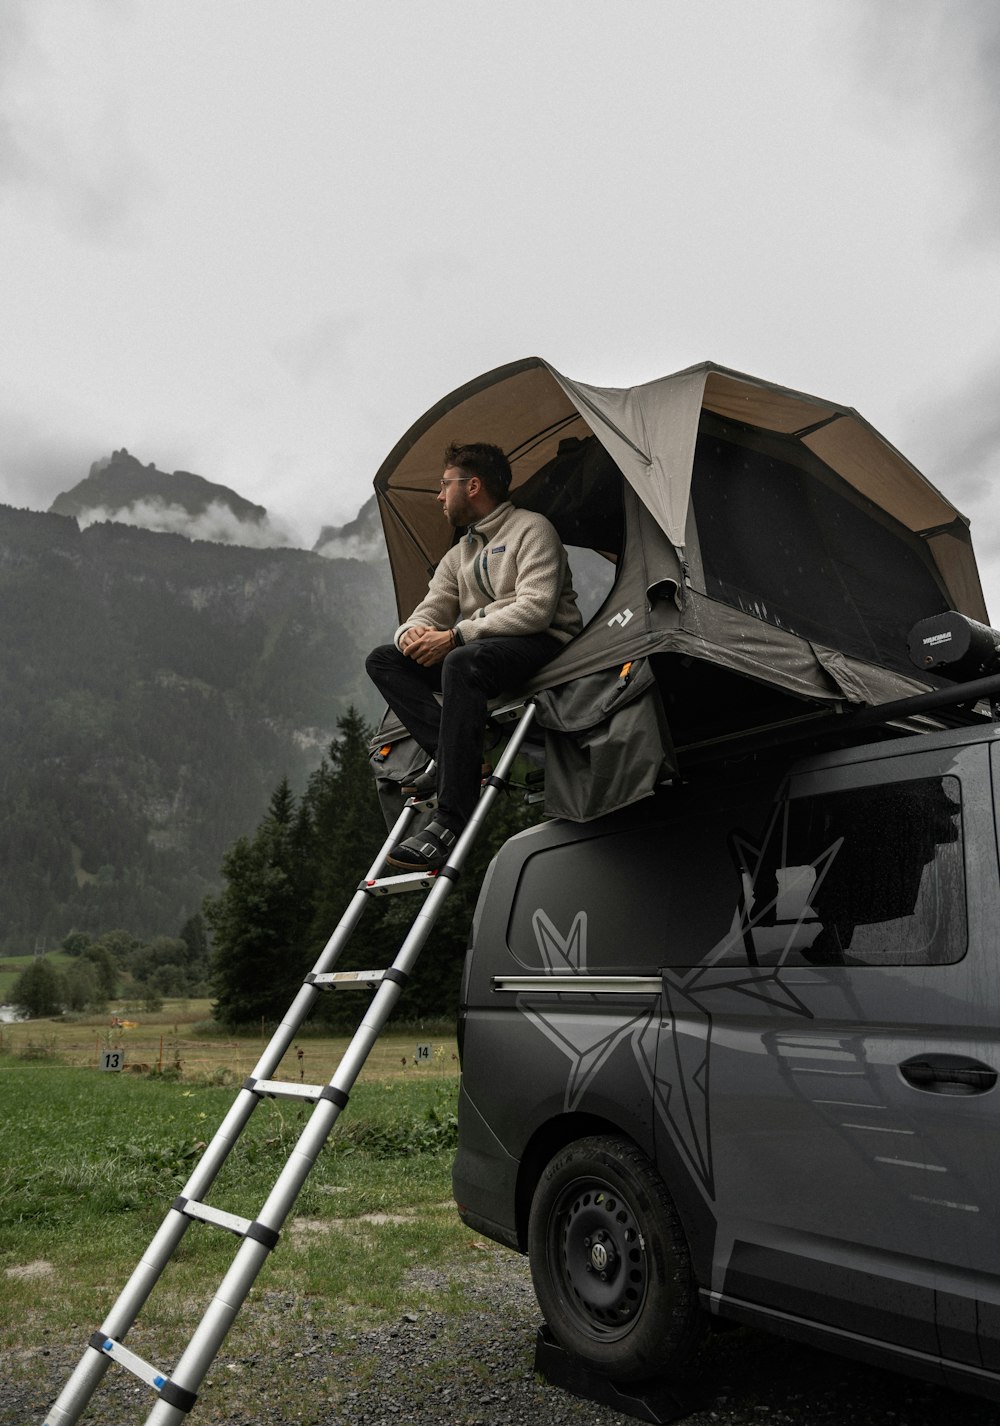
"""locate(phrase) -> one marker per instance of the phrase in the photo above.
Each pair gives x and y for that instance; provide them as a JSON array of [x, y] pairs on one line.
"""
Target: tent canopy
[[749, 532]]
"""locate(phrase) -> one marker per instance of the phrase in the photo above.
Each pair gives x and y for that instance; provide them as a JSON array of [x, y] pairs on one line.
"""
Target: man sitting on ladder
[[499, 605]]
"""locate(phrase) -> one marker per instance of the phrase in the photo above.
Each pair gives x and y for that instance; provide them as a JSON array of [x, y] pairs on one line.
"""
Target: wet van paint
[[734, 1053]]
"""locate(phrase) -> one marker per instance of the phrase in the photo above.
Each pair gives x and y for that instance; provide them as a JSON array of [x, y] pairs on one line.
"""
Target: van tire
[[600, 1205]]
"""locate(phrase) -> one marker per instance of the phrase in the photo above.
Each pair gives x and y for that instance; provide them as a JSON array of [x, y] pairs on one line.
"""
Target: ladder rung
[[348, 978], [152, 1376], [389, 885], [283, 1089], [509, 712], [232, 1222], [218, 1216]]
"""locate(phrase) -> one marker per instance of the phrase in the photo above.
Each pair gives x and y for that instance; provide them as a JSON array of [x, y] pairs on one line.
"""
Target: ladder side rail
[[291, 1023], [388, 992], [94, 1363], [211, 1332]]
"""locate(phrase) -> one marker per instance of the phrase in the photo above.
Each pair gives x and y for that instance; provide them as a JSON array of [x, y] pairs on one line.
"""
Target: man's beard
[[459, 519]]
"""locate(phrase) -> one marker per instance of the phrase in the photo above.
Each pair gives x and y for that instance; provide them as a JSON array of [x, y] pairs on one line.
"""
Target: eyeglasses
[[455, 480]]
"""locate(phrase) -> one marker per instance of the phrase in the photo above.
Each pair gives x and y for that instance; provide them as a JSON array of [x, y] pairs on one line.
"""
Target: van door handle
[[948, 1074]]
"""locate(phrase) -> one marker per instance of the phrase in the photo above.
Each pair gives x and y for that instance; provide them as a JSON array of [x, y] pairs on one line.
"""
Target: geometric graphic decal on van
[[680, 1089], [679, 1084], [588, 1042], [781, 914], [561, 953]]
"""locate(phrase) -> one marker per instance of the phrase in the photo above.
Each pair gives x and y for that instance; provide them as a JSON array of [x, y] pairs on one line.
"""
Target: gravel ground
[[477, 1369]]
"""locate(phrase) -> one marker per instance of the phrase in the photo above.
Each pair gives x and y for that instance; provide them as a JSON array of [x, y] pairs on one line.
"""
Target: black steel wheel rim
[[599, 1250]]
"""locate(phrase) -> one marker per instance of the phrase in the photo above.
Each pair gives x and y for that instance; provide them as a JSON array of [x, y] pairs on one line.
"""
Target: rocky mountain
[[120, 488], [154, 690], [361, 538]]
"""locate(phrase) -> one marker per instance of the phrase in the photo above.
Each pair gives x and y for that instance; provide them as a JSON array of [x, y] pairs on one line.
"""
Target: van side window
[[873, 876]]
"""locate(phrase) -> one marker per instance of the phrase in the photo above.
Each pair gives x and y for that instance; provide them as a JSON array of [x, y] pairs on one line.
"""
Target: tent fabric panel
[[852, 449], [607, 743], [650, 432], [636, 609], [524, 413], [953, 554], [580, 492], [709, 631], [720, 634], [715, 633], [490, 409], [755, 403], [408, 564], [848, 676]]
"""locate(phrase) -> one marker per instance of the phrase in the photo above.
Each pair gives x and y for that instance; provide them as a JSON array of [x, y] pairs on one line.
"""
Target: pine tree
[[260, 919], [347, 824], [196, 958], [288, 886]]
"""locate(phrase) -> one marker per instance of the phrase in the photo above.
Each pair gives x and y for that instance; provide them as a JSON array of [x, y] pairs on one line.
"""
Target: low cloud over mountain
[[217, 522], [360, 539], [121, 489]]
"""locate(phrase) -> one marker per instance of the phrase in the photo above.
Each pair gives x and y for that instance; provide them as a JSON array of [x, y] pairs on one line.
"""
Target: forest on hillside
[[153, 692], [284, 888]]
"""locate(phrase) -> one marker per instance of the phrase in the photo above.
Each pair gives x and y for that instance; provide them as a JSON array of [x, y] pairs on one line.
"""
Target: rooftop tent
[[763, 546]]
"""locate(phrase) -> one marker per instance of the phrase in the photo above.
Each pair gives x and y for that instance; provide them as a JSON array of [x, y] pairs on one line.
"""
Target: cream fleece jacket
[[507, 574]]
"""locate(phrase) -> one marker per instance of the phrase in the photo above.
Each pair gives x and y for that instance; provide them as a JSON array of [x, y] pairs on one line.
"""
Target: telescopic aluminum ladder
[[177, 1389]]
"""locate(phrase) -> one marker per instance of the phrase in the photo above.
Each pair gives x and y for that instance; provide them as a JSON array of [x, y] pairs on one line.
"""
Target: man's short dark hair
[[486, 461]]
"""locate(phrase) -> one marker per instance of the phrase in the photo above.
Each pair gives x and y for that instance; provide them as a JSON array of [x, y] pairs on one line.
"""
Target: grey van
[[732, 1052]]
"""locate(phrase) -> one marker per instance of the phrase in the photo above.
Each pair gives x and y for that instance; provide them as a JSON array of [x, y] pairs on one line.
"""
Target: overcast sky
[[256, 239]]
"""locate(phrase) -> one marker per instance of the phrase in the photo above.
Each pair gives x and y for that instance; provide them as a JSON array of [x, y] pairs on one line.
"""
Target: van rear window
[[869, 876]]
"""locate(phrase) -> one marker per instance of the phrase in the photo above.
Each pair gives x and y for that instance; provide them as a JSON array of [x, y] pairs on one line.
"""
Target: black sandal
[[425, 851]]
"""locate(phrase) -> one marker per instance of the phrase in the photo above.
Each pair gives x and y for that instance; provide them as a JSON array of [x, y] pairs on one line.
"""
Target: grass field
[[183, 1040], [90, 1162]]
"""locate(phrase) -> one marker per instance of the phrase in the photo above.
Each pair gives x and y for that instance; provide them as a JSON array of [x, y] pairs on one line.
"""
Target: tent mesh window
[[580, 491], [786, 540]]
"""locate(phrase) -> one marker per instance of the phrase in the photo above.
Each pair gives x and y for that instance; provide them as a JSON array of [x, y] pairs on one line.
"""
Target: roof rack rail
[[881, 715]]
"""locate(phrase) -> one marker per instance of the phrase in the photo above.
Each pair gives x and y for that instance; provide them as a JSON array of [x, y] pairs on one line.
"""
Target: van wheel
[[610, 1262]]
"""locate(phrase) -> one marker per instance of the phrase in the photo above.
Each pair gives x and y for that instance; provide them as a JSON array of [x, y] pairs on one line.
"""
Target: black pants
[[452, 732]]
